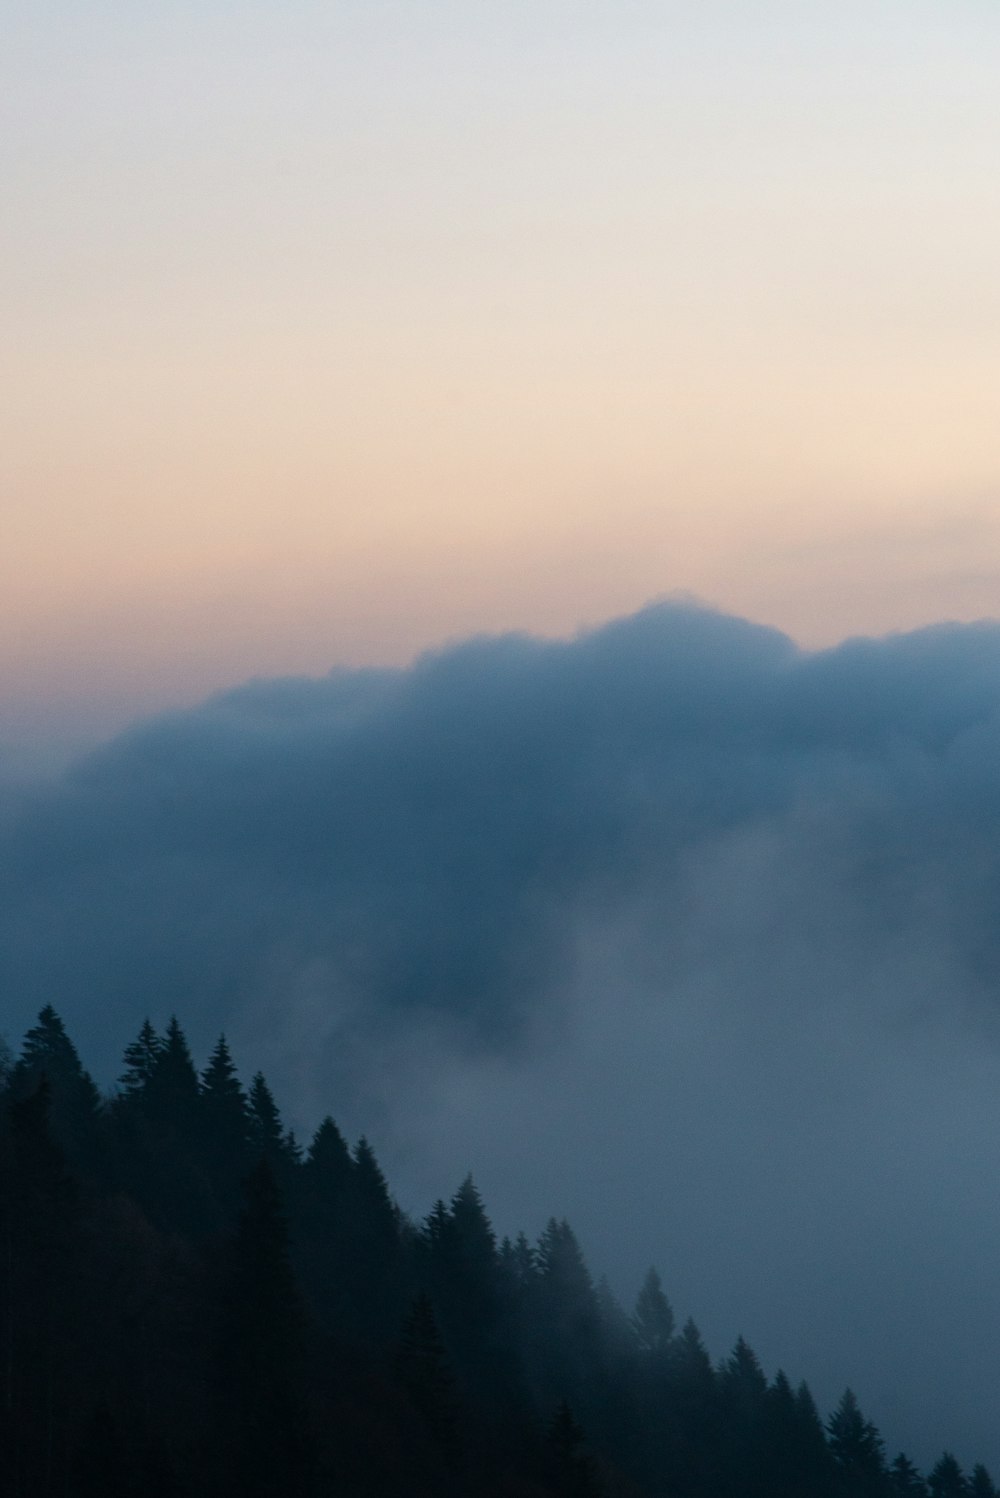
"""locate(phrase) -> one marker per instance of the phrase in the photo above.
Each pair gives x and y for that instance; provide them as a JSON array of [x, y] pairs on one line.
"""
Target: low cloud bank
[[672, 927]]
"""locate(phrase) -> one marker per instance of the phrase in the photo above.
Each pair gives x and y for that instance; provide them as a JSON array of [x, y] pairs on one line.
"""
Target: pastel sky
[[333, 330]]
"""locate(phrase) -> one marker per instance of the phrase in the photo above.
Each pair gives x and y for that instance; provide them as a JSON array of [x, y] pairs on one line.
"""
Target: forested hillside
[[192, 1302]]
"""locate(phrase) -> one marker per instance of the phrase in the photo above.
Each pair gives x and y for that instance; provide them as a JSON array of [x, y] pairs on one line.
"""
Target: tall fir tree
[[262, 1352], [425, 1373], [570, 1470], [981, 1484], [653, 1319], [946, 1478], [141, 1059], [41, 1255], [172, 1087], [858, 1450], [905, 1480], [74, 1101]]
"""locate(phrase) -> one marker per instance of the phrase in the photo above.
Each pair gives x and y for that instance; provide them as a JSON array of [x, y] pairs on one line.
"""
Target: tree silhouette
[[946, 1479], [425, 1373], [857, 1448], [262, 1351]]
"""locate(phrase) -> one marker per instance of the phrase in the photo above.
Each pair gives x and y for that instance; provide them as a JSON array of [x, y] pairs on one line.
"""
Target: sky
[[334, 331], [367, 370]]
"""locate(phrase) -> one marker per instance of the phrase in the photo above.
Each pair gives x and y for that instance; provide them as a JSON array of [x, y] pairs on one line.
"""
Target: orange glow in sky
[[335, 331]]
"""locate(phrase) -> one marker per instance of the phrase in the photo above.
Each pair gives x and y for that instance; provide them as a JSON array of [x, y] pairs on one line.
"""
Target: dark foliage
[[189, 1305]]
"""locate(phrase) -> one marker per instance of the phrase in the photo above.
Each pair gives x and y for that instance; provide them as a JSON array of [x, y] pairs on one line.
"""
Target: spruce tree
[[74, 1102], [325, 1247], [172, 1086], [141, 1058], [617, 1330], [653, 1319], [374, 1247], [40, 1275], [225, 1122], [946, 1479], [570, 1470], [857, 1449], [981, 1484], [262, 1351], [742, 1389], [905, 1480], [424, 1372], [267, 1135]]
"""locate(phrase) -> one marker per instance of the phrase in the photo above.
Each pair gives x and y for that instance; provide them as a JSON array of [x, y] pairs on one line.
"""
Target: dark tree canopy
[[192, 1308]]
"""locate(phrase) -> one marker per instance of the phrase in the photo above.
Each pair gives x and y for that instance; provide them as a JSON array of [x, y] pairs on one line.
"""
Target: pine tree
[[75, 1104], [40, 1265], [371, 1195], [141, 1058], [374, 1246], [325, 1246], [617, 1330], [946, 1479], [742, 1389], [262, 1351], [905, 1480], [571, 1471], [328, 1169], [224, 1115], [981, 1484], [693, 1435], [463, 1260], [653, 1319], [267, 1135], [794, 1454], [565, 1304], [172, 1087], [424, 1372], [857, 1448], [520, 1263]]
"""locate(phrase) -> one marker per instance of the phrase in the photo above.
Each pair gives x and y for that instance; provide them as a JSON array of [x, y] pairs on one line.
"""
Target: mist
[[672, 928]]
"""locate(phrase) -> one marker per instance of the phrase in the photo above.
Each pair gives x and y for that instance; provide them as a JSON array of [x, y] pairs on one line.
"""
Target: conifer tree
[[40, 1259], [379, 1218], [425, 1373], [74, 1102], [617, 1330], [653, 1319], [267, 1135], [692, 1435], [172, 1087], [328, 1168], [742, 1389], [857, 1449], [374, 1243], [224, 1109], [981, 1484], [905, 1480], [434, 1230], [522, 1263], [571, 1471], [464, 1262], [794, 1454], [141, 1058], [325, 1250], [946, 1479], [262, 1350]]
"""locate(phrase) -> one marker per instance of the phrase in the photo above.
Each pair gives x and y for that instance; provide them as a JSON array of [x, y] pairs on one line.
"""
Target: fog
[[673, 929]]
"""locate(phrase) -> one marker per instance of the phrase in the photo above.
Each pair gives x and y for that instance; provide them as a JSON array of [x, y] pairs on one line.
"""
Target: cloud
[[672, 927]]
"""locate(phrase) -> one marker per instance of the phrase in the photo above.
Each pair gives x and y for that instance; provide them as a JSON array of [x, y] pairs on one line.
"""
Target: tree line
[[192, 1302]]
